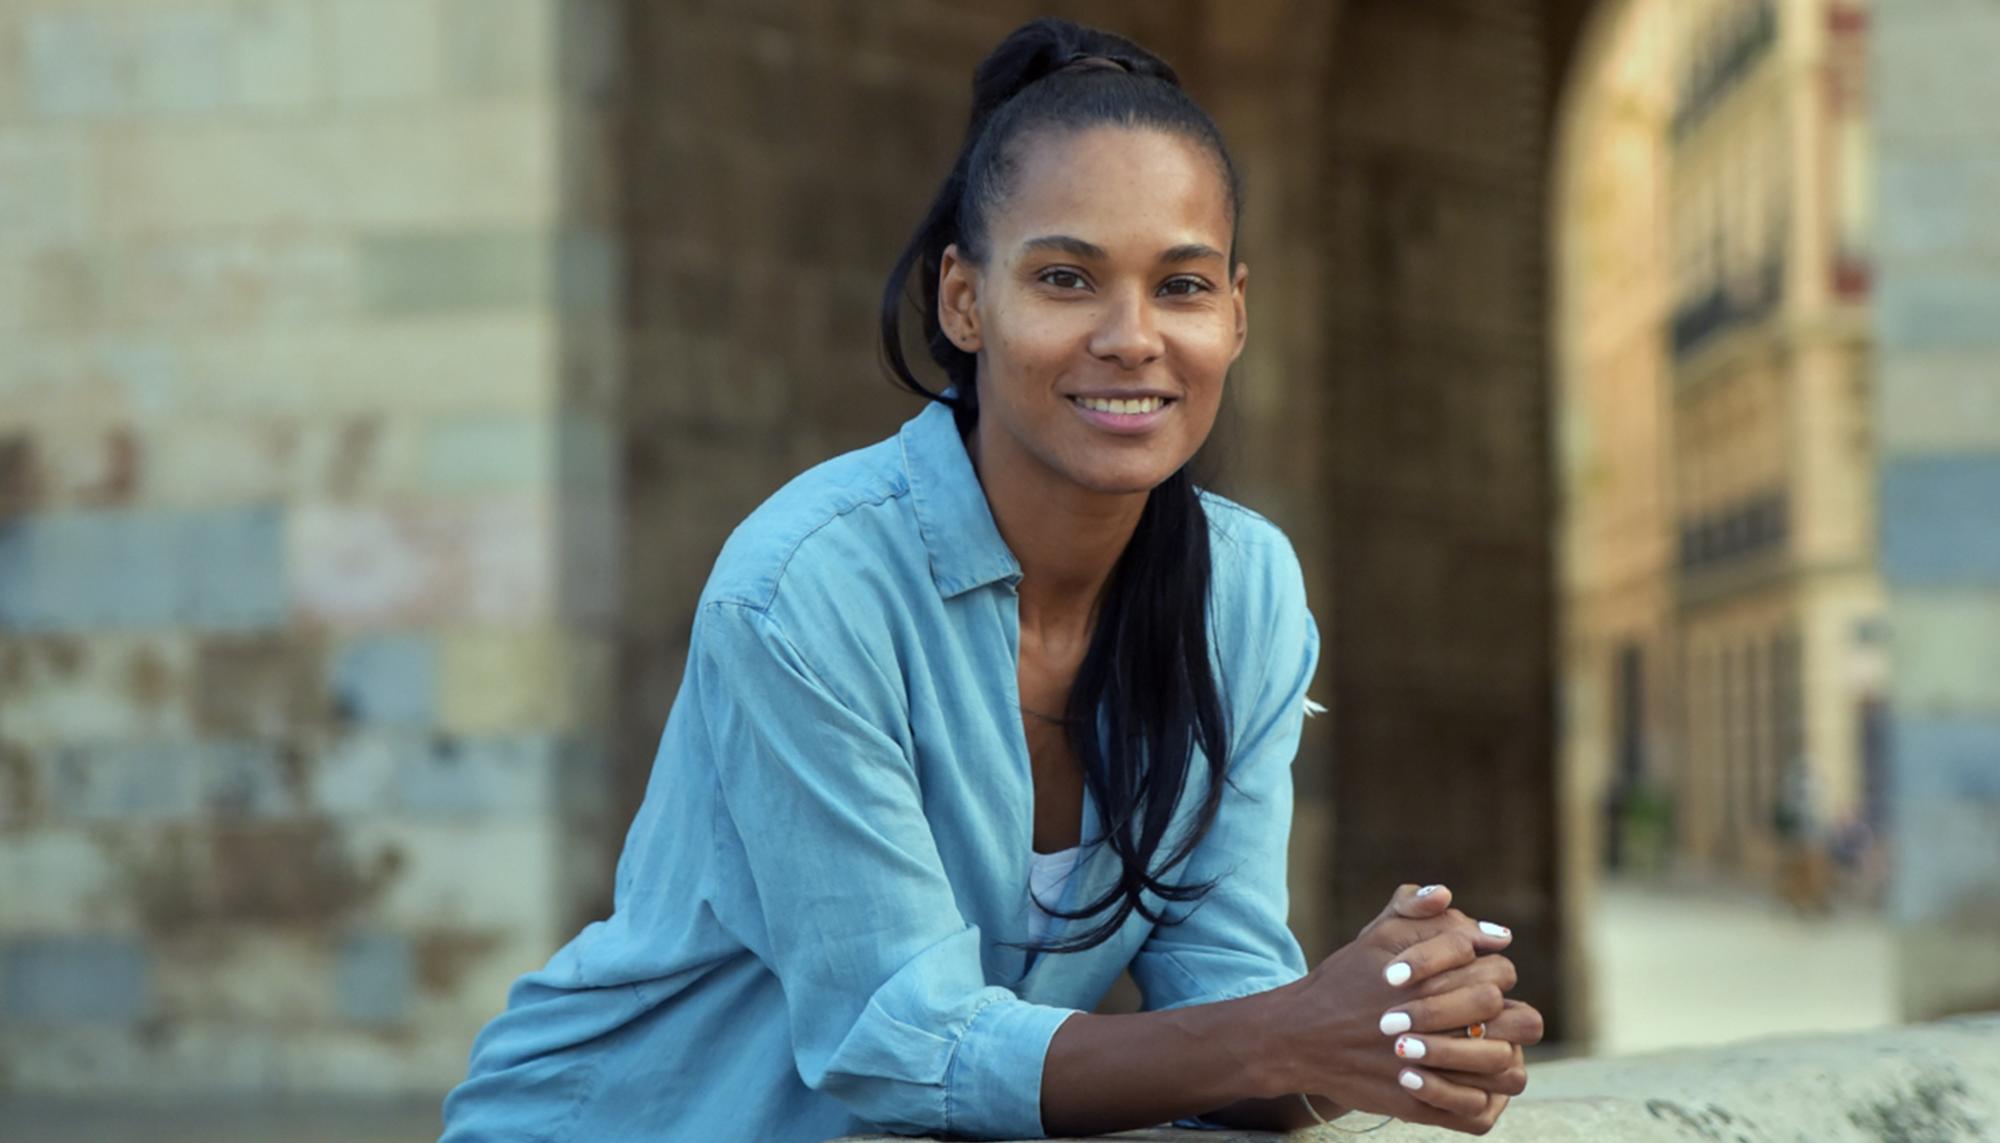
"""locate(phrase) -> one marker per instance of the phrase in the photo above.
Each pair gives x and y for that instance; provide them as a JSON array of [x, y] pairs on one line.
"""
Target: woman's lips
[[1123, 423]]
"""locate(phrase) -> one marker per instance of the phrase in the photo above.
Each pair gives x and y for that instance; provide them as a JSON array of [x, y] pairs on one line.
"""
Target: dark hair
[[1145, 694]]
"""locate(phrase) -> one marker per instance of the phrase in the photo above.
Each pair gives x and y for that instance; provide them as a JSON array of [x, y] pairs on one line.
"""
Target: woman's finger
[[1418, 902], [1402, 931], [1490, 968], [1429, 958], [1442, 1093], [1518, 1023], [1449, 1054], [1447, 1013], [1511, 1079]]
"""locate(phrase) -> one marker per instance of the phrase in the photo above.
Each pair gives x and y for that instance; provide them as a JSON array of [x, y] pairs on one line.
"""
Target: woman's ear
[[958, 299], [1239, 293]]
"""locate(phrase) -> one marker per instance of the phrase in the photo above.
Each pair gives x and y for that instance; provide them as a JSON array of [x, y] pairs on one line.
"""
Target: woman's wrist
[[1277, 1063]]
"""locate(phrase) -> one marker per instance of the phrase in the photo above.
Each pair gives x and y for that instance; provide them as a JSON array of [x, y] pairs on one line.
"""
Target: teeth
[[1133, 406]]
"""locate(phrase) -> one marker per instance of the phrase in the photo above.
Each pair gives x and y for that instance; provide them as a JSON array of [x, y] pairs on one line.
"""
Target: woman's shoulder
[[843, 518], [1243, 541]]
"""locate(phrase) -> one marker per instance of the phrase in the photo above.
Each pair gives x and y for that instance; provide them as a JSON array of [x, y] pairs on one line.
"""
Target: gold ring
[[1476, 1031]]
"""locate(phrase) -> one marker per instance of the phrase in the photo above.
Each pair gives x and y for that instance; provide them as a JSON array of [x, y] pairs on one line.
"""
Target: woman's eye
[[1063, 279], [1184, 287]]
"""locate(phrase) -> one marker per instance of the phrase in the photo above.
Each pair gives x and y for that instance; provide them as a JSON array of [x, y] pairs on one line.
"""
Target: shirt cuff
[[994, 1087]]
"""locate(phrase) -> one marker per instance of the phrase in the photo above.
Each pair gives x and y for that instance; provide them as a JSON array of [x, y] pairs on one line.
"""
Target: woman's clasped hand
[[1390, 1023]]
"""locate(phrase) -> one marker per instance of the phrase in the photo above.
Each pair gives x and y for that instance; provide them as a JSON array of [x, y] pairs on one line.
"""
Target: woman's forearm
[[1105, 1074]]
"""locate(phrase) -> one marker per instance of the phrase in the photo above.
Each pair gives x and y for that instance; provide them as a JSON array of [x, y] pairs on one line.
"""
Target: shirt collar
[[964, 543]]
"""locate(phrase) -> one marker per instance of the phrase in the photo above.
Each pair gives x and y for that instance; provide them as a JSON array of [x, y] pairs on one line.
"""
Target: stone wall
[[1938, 1083], [307, 550]]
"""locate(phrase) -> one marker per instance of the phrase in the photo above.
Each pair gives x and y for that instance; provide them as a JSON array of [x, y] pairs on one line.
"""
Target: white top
[[1048, 875]]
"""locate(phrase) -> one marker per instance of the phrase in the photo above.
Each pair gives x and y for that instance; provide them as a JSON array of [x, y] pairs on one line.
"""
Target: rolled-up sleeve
[[884, 986], [1235, 941]]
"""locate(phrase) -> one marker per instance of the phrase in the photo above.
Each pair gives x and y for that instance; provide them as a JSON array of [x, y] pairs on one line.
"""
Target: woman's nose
[[1128, 333]]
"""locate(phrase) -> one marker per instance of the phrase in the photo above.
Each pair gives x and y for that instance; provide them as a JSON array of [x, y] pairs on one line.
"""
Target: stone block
[[428, 167], [68, 465], [495, 47], [230, 281], [252, 978], [1947, 869], [62, 688], [87, 1062], [420, 564], [1945, 653], [58, 880], [263, 685], [1939, 402], [201, 461], [386, 680], [469, 872], [214, 569], [481, 777], [1931, 85], [101, 379], [372, 978], [1947, 759], [386, 51], [1926, 309], [437, 271], [252, 779], [97, 64], [1933, 207], [124, 781], [81, 978], [464, 362], [275, 61], [498, 681], [48, 187], [356, 775], [511, 452], [1938, 521]]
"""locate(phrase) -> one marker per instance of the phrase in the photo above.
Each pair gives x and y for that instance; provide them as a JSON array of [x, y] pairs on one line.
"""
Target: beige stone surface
[[1927, 1082]]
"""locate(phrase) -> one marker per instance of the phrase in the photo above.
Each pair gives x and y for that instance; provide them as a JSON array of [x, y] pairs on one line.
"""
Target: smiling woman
[[981, 717]]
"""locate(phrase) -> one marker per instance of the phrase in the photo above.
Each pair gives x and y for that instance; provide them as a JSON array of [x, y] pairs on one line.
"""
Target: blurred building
[[1777, 604], [1725, 643]]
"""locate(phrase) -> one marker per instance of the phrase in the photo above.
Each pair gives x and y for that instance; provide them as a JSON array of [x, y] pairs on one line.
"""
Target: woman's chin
[[1123, 480]]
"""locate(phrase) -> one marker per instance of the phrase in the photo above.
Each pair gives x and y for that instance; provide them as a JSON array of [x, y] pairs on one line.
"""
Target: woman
[[982, 716]]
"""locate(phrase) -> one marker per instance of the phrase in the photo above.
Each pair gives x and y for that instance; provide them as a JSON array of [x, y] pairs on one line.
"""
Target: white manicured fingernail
[[1493, 930], [1428, 890], [1398, 973], [1411, 1080], [1394, 1022], [1410, 1048]]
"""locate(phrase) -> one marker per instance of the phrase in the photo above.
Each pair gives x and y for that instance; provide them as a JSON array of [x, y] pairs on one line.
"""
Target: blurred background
[[379, 379]]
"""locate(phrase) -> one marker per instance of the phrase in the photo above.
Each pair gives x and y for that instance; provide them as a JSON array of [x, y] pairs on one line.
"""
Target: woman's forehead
[[1122, 189]]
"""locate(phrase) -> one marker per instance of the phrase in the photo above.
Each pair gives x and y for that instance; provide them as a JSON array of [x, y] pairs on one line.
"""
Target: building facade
[[1723, 643], [1776, 601]]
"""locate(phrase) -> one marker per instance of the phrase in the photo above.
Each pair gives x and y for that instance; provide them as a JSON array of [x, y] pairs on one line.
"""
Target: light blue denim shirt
[[812, 900]]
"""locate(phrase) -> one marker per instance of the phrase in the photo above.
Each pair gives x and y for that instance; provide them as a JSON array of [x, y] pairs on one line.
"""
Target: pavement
[[1674, 967], [1678, 967]]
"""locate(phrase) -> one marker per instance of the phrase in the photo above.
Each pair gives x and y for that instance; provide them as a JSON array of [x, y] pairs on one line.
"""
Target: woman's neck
[[1066, 538]]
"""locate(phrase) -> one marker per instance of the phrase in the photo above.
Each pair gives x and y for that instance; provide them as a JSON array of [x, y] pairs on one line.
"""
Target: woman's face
[[1106, 314]]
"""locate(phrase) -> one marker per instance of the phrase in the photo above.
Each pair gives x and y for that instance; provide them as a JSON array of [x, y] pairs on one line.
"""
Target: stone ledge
[[1923, 1082]]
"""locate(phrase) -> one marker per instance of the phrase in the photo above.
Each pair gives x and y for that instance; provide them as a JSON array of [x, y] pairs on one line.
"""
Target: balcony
[[1742, 301], [1721, 61]]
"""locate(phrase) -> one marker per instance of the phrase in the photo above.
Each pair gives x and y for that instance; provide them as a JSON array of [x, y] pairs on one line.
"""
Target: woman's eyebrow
[[1190, 252], [1091, 251], [1063, 243]]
